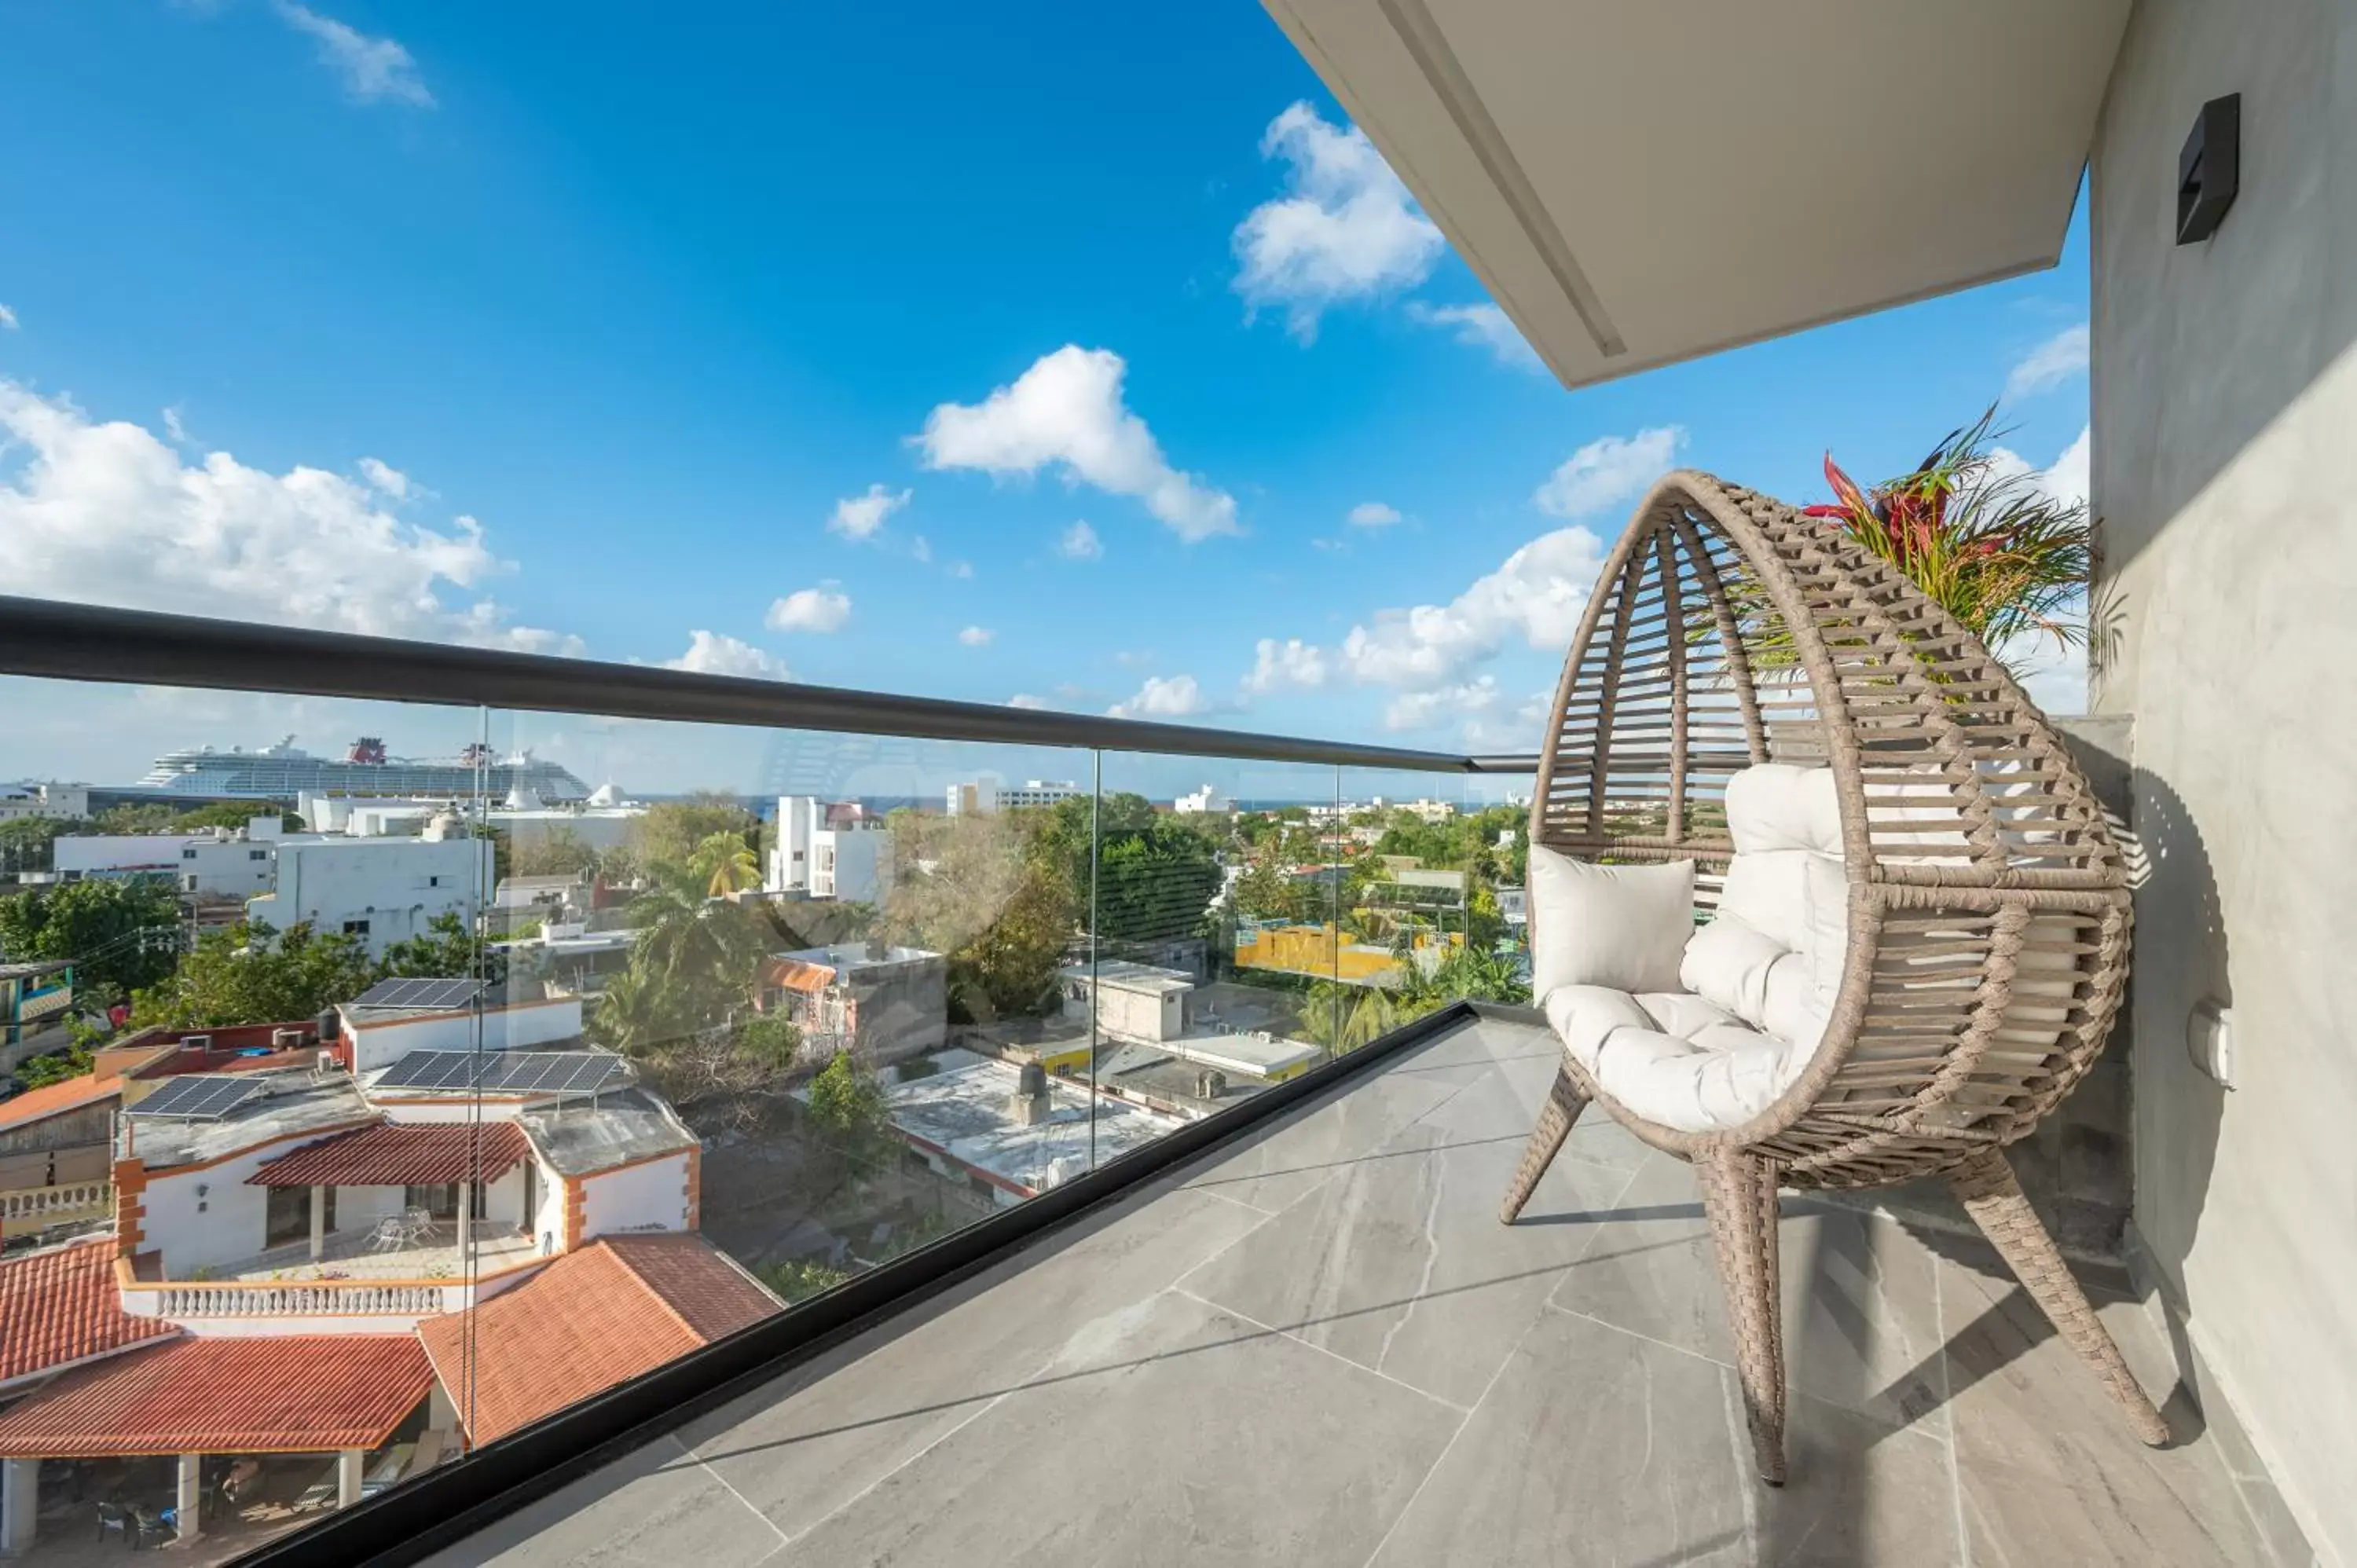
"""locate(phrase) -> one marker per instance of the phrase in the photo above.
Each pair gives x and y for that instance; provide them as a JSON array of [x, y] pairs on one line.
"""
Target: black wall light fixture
[[2208, 169]]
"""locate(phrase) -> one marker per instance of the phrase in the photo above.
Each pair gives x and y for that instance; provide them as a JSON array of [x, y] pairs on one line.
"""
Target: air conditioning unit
[[195, 1042], [285, 1040]]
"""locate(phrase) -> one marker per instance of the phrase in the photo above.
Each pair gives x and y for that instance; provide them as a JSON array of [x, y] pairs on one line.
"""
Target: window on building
[[188, 852], [432, 882], [257, 854], [356, 927], [188, 885]]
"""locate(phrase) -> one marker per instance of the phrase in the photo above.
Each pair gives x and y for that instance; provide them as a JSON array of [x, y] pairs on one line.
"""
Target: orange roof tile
[[61, 1306], [303, 1393], [620, 1307], [56, 1098], [809, 978], [394, 1155]]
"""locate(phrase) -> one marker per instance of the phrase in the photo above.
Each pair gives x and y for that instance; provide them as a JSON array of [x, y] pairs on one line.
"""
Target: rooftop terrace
[[1318, 1345]]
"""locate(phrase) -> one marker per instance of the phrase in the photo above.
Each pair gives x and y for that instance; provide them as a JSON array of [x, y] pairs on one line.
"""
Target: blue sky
[[574, 328]]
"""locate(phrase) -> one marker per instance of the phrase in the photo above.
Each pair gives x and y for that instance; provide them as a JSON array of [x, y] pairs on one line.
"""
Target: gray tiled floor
[[1322, 1348]]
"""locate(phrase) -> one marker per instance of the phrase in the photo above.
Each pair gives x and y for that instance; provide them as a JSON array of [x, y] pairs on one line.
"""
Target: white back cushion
[[1619, 926]]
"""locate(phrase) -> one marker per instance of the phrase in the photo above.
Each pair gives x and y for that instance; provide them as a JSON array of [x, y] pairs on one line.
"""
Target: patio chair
[[1818, 899], [113, 1519]]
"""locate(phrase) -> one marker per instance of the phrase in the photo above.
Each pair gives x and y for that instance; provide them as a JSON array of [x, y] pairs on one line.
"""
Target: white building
[[219, 862], [60, 802], [982, 796], [383, 890], [826, 851], [1140, 1005], [1206, 799], [604, 821]]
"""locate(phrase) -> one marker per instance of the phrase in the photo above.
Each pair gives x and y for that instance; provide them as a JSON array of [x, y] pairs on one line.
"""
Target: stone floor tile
[[1599, 1447], [1180, 1434]]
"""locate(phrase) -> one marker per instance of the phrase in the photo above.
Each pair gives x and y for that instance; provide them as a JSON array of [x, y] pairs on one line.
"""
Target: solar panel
[[444, 996], [198, 1099], [506, 1072]]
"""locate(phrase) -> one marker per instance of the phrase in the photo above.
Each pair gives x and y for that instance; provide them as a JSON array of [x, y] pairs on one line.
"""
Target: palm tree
[[725, 863]]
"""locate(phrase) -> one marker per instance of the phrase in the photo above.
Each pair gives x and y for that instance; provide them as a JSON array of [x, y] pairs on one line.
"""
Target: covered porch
[[235, 1435]]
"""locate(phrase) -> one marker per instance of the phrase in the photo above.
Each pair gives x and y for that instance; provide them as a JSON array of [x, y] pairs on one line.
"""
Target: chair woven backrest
[[1988, 902]]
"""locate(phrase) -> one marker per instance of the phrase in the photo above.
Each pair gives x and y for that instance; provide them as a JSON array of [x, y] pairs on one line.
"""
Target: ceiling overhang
[[1641, 181]]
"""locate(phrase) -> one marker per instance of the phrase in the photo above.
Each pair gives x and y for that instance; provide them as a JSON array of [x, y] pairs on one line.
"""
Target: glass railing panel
[[1435, 869], [828, 972], [217, 943], [1212, 960]]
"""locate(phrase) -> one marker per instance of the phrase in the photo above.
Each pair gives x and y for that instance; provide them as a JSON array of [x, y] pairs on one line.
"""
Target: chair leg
[[1564, 1102], [1993, 1197], [1738, 1195]]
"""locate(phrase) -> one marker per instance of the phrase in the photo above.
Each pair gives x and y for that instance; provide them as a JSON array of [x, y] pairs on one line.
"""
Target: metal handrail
[[54, 640]]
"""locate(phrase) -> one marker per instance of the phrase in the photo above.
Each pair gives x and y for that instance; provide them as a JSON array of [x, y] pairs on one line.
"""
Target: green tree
[[446, 949], [847, 1110], [669, 833], [250, 973], [725, 863], [558, 852], [120, 933], [25, 844], [799, 1279], [990, 895]]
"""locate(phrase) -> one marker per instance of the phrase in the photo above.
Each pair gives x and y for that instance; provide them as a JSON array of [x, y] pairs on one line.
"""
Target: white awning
[[1639, 181]]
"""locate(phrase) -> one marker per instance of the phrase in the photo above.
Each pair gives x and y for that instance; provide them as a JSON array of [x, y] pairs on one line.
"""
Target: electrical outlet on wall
[[2209, 1040]]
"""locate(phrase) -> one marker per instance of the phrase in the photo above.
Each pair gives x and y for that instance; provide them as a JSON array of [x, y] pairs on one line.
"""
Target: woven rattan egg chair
[[1987, 922]]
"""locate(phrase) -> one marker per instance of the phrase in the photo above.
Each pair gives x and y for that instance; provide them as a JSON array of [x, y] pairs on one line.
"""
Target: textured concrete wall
[[2225, 423]]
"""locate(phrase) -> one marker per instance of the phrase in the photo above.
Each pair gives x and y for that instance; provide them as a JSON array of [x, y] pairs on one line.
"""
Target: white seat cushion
[[1713, 1072]]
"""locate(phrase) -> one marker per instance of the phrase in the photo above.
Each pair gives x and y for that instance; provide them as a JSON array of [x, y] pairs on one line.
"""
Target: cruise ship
[[282, 771]]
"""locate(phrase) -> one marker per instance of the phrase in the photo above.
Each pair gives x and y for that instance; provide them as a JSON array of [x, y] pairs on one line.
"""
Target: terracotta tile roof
[[796, 976], [602, 1315], [61, 1306], [392, 1155], [303, 1393], [56, 1098]]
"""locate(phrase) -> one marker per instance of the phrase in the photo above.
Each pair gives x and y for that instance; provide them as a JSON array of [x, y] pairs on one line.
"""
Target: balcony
[[1116, 1207], [1318, 1345], [353, 1277]]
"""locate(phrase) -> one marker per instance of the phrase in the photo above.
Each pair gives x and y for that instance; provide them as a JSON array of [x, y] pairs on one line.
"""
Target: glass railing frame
[[73, 642]]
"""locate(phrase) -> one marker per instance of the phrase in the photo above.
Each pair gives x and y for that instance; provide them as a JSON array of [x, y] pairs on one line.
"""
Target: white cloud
[[820, 609], [2050, 364], [375, 70], [178, 433], [712, 653], [1174, 698], [2066, 481], [1482, 326], [1346, 229], [1421, 710], [1079, 542], [1608, 471], [1374, 514], [379, 475], [976, 636], [7, 319], [1537, 594], [109, 514], [859, 517], [1026, 699], [1291, 663], [961, 568], [1067, 412]]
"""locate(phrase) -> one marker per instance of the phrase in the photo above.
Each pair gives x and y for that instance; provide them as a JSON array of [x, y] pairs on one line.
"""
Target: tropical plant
[[848, 1111], [798, 1279], [446, 949], [725, 863], [119, 933], [250, 973], [1973, 531]]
